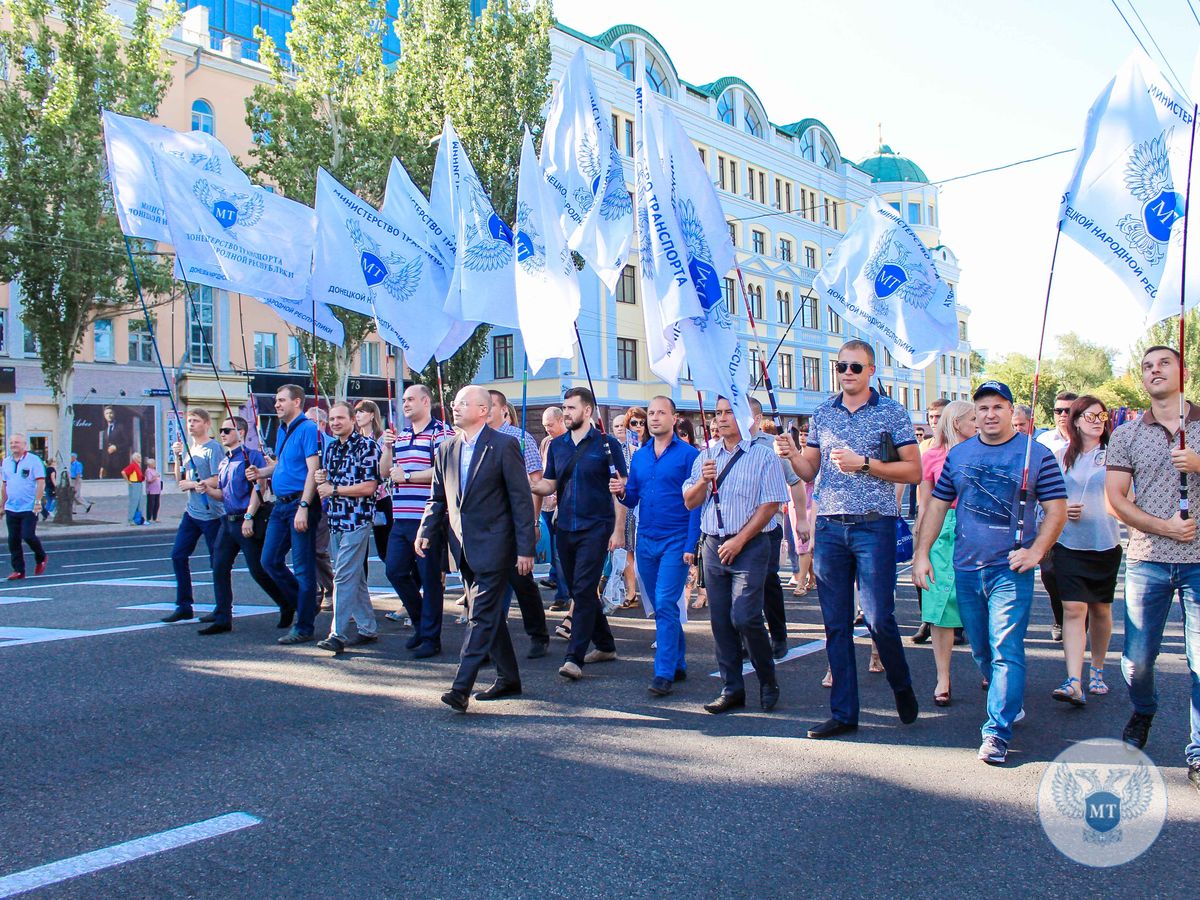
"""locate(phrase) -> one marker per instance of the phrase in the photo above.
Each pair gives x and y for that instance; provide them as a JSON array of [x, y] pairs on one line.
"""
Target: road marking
[[17, 637], [6, 600], [119, 854], [795, 653], [201, 609]]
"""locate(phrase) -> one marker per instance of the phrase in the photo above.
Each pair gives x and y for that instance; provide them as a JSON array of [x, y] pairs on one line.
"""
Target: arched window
[[806, 147], [829, 156], [626, 59], [203, 118], [752, 122], [656, 76], [725, 108]]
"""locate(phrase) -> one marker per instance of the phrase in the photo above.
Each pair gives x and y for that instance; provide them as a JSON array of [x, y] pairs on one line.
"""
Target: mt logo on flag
[[401, 283], [893, 272], [1148, 178], [490, 251], [229, 209], [700, 259], [531, 251]]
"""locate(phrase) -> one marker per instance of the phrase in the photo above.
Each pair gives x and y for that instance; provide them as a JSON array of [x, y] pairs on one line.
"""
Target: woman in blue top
[[1088, 553]]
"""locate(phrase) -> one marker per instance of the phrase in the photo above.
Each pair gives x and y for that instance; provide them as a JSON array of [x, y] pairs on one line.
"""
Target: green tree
[[1080, 365], [1166, 333], [64, 63], [1125, 390]]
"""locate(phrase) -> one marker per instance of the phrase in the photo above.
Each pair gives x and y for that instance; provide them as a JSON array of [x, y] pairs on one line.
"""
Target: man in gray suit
[[481, 505]]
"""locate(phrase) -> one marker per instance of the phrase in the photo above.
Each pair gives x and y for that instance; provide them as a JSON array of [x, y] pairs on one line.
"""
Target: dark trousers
[[22, 526], [153, 502], [560, 592], [383, 533], [735, 601], [416, 580], [186, 538], [773, 590], [529, 599], [1050, 583], [300, 589], [843, 554], [582, 556], [230, 542], [488, 595]]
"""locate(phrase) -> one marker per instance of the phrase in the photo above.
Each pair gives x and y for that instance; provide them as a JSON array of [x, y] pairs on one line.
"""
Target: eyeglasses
[[1095, 417], [227, 430], [856, 368], [637, 421], [1061, 410]]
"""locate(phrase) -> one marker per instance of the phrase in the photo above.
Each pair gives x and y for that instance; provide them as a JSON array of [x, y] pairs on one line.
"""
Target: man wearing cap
[[997, 544]]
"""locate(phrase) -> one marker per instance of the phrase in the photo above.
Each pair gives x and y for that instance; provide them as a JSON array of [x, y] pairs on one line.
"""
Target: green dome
[[888, 166]]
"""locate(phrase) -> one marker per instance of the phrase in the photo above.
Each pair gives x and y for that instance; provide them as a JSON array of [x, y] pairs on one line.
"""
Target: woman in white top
[[1088, 553]]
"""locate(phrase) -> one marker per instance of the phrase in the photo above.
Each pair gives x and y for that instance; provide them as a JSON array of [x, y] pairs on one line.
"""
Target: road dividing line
[[119, 854], [4, 601]]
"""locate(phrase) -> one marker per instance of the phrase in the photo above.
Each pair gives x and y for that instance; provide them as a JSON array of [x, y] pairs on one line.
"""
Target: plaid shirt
[[529, 447], [347, 463]]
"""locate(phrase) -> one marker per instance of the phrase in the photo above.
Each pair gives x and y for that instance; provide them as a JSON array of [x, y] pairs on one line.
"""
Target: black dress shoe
[[922, 634], [548, 584], [456, 700], [906, 705], [215, 628], [832, 728], [768, 696], [427, 650], [178, 616], [660, 687], [498, 690], [680, 675], [413, 642], [724, 703], [779, 648], [538, 649], [559, 606], [860, 618], [211, 617], [287, 615]]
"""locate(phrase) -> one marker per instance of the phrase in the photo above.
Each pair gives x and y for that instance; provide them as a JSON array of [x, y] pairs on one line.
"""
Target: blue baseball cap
[[998, 388]]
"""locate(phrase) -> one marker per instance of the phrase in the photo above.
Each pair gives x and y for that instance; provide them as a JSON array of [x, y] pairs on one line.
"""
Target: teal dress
[[939, 603]]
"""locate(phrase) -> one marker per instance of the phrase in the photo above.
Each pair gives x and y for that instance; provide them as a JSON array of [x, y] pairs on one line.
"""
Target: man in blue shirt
[[241, 500], [591, 523], [667, 534], [997, 545], [21, 491], [75, 473], [293, 521]]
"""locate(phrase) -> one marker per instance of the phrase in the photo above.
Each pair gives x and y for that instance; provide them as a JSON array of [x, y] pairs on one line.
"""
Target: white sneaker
[[1019, 717]]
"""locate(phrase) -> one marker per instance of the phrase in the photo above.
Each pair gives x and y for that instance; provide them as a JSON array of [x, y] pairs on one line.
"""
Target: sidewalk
[[108, 514]]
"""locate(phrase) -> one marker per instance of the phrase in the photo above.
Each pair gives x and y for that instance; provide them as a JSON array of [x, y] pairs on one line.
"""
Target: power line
[[1193, 9], [1137, 37], [1150, 35], [1019, 162]]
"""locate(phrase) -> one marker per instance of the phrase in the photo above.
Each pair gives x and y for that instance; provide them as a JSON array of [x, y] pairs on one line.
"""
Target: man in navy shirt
[[590, 523], [667, 533], [293, 521], [241, 499]]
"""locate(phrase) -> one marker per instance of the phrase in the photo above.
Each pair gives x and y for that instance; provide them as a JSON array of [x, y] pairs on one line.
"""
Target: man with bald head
[[480, 503], [21, 491]]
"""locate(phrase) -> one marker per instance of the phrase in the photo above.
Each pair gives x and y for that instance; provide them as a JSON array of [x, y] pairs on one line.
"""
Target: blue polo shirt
[[657, 483], [294, 444], [20, 481], [231, 476], [584, 502]]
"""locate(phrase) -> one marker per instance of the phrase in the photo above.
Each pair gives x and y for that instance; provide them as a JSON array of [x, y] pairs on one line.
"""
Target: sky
[[958, 86]]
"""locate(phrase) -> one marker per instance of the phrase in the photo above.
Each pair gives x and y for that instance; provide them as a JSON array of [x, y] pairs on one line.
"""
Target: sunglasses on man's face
[[856, 368], [1095, 417], [1061, 410], [226, 431]]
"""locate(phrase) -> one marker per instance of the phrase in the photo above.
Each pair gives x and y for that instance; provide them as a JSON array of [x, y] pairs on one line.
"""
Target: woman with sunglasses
[[1056, 439], [1088, 553]]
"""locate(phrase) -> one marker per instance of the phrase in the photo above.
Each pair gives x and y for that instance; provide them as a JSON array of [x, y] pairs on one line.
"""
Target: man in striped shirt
[[407, 461]]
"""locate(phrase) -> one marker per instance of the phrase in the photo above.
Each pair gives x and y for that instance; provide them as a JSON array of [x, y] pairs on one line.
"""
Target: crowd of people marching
[[652, 514]]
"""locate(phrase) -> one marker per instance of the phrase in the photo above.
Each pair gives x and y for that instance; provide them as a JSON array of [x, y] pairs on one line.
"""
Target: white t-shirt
[[1096, 529], [1054, 441]]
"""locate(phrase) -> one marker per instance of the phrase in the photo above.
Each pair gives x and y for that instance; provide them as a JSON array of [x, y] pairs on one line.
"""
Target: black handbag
[[261, 516], [887, 448]]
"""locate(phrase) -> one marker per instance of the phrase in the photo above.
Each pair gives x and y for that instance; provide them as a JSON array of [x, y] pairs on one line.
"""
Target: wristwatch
[[865, 468], [335, 490], [407, 476], [248, 517], [304, 504]]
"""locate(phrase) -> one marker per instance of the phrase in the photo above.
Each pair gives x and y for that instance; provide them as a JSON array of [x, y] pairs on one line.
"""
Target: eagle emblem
[[700, 260], [489, 242], [531, 249], [1079, 794], [398, 277], [894, 273], [616, 203], [1148, 179], [229, 208], [203, 161]]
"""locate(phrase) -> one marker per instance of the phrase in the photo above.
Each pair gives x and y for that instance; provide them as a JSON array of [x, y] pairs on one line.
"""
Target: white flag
[[584, 172], [235, 237], [882, 279], [130, 145], [547, 285], [1126, 194], [481, 285], [404, 204], [359, 250], [300, 313]]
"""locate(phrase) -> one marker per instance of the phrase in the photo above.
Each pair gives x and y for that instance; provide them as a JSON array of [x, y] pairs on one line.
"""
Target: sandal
[[1096, 683], [631, 603], [1066, 692], [798, 591], [876, 665], [700, 603], [942, 699], [827, 681], [563, 629]]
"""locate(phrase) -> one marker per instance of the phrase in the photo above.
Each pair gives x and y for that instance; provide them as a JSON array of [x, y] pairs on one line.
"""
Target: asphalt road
[[367, 786]]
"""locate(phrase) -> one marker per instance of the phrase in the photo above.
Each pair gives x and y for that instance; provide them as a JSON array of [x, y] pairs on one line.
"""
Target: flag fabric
[[130, 145], [546, 283], [481, 283], [301, 314], [881, 279], [234, 236], [358, 252], [685, 250], [1126, 194], [404, 204], [585, 174]]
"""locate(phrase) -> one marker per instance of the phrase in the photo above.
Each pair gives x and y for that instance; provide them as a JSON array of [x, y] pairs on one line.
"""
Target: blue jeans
[[417, 580], [230, 542], [735, 603], [843, 554], [1149, 591], [994, 604], [299, 589], [664, 573], [560, 592], [186, 538]]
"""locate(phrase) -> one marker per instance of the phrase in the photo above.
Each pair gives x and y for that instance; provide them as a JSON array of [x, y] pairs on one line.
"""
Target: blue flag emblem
[[373, 268], [229, 208], [1148, 179], [700, 268], [889, 280], [1102, 811], [399, 278], [894, 273]]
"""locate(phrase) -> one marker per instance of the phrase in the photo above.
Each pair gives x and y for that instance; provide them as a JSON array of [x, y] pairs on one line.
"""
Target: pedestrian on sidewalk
[[22, 486], [50, 499], [75, 472], [136, 481], [154, 488]]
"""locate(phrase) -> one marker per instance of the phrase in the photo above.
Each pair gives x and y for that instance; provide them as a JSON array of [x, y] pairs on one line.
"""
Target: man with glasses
[[1056, 439], [856, 527]]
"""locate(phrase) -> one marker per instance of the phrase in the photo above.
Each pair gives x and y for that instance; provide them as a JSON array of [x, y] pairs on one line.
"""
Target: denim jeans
[[582, 554], [1149, 592], [663, 572], [282, 536], [735, 604], [230, 542], [186, 538], [994, 604], [843, 554], [417, 580], [560, 592]]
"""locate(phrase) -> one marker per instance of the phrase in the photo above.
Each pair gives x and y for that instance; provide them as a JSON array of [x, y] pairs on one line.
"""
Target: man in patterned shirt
[[346, 482]]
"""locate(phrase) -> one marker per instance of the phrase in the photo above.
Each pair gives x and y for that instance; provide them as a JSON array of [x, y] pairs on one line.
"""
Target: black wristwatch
[[304, 504], [865, 468], [335, 491]]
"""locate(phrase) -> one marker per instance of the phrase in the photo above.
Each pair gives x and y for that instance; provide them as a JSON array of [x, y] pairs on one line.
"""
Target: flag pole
[[391, 410], [441, 389], [1023, 496], [707, 442], [762, 363], [1184, 510], [786, 332], [524, 399], [612, 468]]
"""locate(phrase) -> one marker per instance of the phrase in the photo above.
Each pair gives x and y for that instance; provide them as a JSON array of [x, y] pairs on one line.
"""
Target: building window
[[656, 76], [627, 286], [502, 356], [755, 367], [783, 300], [904, 397], [265, 356], [733, 177], [962, 330], [831, 213], [752, 122], [750, 177], [833, 375], [756, 301], [626, 59], [627, 359], [835, 322], [810, 257], [758, 241], [616, 126], [762, 187], [808, 313], [200, 326], [141, 348], [966, 372], [102, 334], [733, 234], [887, 357], [806, 147], [725, 108], [811, 373], [931, 219], [703, 156], [786, 377], [954, 366], [779, 193], [368, 359], [914, 214], [3, 323], [916, 398], [203, 118], [629, 137], [297, 360], [806, 201], [829, 157], [730, 296], [721, 171], [787, 196], [785, 249], [944, 365], [31, 343]]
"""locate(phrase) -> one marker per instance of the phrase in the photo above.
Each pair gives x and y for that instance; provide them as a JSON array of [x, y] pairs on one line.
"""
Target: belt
[[853, 518], [721, 537], [288, 498]]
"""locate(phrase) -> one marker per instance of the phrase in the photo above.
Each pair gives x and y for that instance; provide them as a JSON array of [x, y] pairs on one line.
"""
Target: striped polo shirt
[[414, 453]]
